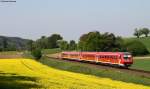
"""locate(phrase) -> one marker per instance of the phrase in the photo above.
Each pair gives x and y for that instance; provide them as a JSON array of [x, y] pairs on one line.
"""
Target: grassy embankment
[[27, 73], [144, 40]]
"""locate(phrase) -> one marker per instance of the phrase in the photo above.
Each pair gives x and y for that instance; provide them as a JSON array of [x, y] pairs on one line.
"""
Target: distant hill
[[144, 40], [13, 42]]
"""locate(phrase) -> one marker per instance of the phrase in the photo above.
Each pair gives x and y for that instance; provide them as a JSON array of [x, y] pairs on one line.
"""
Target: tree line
[[92, 42], [51, 42], [142, 31]]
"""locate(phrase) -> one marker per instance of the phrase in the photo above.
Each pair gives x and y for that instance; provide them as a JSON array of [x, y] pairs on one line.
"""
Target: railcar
[[123, 59]]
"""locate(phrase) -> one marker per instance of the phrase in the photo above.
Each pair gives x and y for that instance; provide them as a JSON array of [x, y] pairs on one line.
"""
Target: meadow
[[30, 74], [51, 51], [142, 64]]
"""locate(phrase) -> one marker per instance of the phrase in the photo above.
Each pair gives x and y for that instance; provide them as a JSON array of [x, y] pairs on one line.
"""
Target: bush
[[36, 53], [136, 48]]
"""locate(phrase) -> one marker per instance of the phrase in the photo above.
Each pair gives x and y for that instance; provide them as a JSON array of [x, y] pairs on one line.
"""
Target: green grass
[[85, 69], [144, 40], [51, 51], [142, 64], [9, 52]]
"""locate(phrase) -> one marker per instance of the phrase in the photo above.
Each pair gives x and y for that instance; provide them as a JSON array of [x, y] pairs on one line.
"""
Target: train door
[[96, 58], [107, 59], [115, 59]]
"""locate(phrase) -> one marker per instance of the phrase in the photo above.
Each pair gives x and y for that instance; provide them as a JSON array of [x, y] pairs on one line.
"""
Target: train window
[[115, 57], [126, 56], [110, 57]]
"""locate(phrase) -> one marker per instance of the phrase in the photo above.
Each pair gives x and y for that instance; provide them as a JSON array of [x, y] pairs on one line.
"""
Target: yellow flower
[[51, 78]]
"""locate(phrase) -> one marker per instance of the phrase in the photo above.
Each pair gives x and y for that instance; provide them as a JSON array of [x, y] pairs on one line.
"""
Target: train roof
[[98, 53]]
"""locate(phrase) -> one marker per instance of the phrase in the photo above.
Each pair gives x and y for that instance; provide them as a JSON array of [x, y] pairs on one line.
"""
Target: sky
[[32, 19]]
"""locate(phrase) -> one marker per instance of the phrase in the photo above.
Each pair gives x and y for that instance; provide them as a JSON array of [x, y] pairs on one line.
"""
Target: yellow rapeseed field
[[33, 73]]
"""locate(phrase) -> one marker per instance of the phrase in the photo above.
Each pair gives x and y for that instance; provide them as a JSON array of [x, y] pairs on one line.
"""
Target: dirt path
[[10, 55]]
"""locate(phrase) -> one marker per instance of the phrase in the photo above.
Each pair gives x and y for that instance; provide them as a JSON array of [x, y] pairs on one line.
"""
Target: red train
[[123, 59]]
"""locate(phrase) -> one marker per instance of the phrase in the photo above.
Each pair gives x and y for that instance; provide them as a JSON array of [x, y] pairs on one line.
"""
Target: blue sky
[[72, 18]]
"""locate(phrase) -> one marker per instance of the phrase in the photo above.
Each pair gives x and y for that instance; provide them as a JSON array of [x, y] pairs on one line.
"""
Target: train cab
[[127, 59]]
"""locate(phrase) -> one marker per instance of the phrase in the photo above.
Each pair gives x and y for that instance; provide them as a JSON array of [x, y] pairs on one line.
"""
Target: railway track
[[108, 67]]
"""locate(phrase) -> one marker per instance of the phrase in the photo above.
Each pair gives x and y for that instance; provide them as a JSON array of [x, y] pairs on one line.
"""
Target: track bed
[[105, 67]]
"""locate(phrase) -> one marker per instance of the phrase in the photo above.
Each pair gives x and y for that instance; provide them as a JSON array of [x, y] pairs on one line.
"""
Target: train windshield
[[127, 56]]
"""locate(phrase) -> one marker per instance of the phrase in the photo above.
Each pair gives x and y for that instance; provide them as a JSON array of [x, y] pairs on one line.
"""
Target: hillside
[[144, 40], [27, 74], [13, 42]]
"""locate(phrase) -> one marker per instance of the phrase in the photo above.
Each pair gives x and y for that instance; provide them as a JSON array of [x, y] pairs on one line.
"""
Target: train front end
[[127, 59]]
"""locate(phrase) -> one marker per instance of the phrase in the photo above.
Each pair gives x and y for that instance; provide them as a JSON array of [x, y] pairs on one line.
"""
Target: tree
[[137, 33], [1, 46], [52, 40], [82, 42], [108, 41], [120, 45], [63, 44], [89, 41], [145, 31], [94, 41], [5, 44], [30, 45], [42, 43], [36, 53], [72, 45]]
